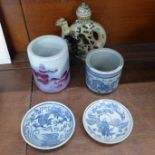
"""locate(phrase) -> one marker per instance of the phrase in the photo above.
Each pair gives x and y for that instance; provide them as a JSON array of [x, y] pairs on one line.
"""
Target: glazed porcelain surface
[[107, 121], [103, 70], [84, 35], [48, 125], [49, 59]]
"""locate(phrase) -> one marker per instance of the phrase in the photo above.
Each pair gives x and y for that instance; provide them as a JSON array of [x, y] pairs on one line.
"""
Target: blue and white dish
[[48, 125], [107, 121]]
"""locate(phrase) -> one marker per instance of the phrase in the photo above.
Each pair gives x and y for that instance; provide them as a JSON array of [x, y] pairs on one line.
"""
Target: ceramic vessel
[[48, 125], [107, 121], [49, 59], [103, 70], [84, 35]]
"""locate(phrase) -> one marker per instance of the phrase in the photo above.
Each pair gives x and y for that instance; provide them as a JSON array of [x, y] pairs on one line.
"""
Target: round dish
[[107, 121], [48, 125]]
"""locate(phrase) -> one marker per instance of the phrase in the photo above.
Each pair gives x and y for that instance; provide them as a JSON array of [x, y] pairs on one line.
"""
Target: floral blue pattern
[[101, 84], [48, 125], [107, 121]]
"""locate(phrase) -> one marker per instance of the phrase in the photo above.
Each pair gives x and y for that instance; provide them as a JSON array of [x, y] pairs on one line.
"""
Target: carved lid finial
[[83, 11]]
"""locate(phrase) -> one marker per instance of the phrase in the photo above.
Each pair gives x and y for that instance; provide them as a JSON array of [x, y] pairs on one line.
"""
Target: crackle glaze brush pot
[[49, 59]]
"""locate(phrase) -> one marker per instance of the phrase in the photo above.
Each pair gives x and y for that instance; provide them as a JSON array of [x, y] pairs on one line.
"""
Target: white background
[[4, 54]]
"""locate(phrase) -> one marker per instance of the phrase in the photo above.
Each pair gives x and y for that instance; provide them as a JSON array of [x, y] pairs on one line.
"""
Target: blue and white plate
[[107, 121], [48, 125]]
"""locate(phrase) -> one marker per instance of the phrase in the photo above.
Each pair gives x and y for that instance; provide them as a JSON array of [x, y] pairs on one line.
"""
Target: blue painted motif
[[105, 120], [48, 125], [101, 84]]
